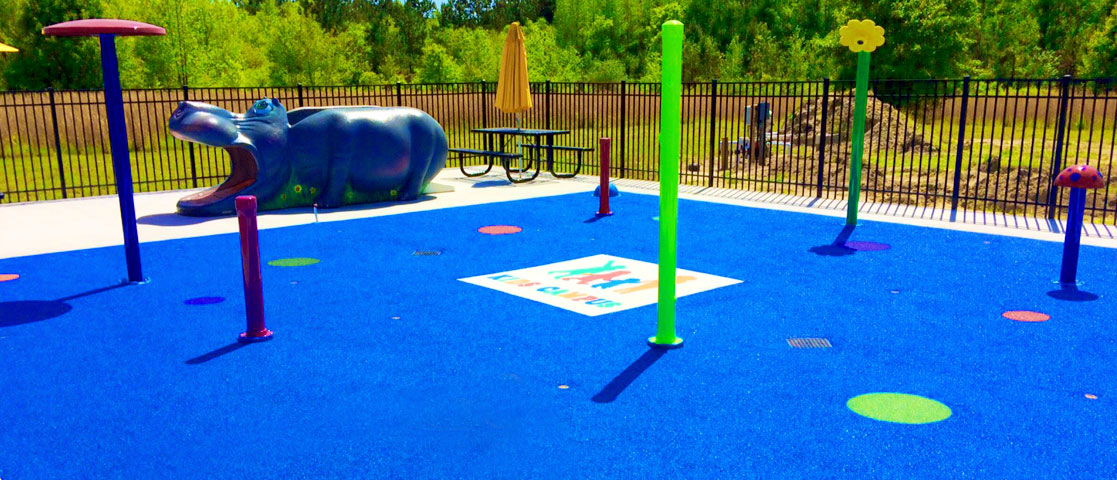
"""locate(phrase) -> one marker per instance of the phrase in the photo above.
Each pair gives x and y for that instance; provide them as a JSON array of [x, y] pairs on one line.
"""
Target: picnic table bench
[[535, 151]]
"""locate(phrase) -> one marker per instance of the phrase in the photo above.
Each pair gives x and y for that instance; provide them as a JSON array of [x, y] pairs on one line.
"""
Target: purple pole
[[604, 145], [1075, 211], [121, 168], [250, 261], [107, 30]]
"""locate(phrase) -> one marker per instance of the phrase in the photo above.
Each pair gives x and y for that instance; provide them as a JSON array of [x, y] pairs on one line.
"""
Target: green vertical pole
[[860, 102], [670, 101]]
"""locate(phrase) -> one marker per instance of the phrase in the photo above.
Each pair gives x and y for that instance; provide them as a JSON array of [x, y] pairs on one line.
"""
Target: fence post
[[399, 94], [190, 145], [547, 104], [1060, 137], [961, 143], [713, 129], [624, 101], [57, 141], [821, 136], [300, 94], [484, 107]]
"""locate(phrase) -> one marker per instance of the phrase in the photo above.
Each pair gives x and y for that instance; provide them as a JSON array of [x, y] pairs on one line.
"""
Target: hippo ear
[[276, 102]]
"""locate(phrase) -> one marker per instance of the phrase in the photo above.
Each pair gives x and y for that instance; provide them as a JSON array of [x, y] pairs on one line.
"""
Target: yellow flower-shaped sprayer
[[862, 35]]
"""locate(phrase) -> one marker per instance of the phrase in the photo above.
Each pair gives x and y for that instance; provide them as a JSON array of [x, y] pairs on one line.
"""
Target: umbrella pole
[[520, 145]]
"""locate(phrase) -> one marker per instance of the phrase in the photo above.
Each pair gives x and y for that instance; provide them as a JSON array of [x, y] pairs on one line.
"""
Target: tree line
[[361, 42]]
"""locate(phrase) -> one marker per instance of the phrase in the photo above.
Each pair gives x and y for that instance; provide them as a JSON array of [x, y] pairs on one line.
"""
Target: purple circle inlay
[[868, 246], [204, 300]]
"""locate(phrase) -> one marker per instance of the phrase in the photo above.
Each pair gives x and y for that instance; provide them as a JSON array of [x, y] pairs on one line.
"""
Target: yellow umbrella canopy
[[513, 93], [7, 49]]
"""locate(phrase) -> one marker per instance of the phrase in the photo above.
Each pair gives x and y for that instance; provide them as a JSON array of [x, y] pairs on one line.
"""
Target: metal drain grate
[[427, 253], [809, 342]]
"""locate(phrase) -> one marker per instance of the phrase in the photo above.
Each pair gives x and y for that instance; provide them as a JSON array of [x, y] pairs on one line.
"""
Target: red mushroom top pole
[[108, 30], [92, 27], [1080, 176]]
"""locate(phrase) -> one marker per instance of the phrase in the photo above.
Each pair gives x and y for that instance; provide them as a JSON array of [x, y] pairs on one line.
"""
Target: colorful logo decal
[[596, 285]]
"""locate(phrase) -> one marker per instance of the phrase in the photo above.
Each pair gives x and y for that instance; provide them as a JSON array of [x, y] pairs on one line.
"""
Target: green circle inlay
[[293, 262], [899, 408]]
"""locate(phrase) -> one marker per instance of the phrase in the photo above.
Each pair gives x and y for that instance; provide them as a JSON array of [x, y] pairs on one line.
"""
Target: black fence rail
[[991, 145]]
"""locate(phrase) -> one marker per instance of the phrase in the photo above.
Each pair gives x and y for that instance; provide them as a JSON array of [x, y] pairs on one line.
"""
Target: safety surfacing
[[947, 354]]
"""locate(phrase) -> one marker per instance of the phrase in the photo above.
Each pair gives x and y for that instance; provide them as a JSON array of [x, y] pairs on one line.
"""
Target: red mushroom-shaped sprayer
[[107, 29], [1078, 178]]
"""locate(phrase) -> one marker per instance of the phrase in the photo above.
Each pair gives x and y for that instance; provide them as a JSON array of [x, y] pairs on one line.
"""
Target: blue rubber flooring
[[384, 365]]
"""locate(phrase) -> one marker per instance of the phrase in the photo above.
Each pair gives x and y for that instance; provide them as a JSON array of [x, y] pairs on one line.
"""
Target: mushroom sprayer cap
[[1080, 176], [98, 26]]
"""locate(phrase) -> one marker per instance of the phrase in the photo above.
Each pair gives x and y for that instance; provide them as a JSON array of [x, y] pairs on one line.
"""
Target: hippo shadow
[[172, 220], [176, 220], [353, 207]]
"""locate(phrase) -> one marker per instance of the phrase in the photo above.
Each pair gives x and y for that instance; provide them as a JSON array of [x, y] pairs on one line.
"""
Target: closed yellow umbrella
[[7, 49], [513, 93], [513, 90]]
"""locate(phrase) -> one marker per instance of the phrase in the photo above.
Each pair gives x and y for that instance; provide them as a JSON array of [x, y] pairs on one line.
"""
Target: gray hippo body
[[329, 156]]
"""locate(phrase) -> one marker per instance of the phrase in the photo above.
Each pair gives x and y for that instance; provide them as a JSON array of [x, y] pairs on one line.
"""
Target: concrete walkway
[[62, 225]]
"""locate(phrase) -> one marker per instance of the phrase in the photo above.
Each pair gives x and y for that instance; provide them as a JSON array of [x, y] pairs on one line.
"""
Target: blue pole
[[1075, 212], [118, 141]]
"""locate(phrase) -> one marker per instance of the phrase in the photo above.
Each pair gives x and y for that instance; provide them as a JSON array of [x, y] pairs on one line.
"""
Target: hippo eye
[[262, 107]]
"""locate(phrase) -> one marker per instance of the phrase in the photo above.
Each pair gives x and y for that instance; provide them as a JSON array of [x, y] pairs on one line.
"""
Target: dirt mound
[[886, 128]]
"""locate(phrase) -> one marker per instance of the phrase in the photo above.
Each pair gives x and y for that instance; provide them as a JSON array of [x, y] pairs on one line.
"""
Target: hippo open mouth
[[236, 134], [243, 175]]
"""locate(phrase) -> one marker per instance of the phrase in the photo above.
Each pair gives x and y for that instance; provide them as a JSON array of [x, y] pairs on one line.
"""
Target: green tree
[[1066, 26], [478, 51], [301, 51], [493, 14], [1101, 58], [332, 15], [1008, 41], [547, 59], [924, 38], [438, 65], [208, 43], [45, 61]]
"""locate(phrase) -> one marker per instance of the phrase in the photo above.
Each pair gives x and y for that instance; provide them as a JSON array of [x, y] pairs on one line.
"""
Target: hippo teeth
[[243, 175]]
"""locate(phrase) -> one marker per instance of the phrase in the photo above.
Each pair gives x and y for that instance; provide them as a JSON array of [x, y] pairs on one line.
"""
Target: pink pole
[[250, 261], [604, 145]]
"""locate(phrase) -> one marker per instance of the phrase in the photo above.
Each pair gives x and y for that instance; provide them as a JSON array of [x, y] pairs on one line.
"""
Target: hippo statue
[[329, 156]]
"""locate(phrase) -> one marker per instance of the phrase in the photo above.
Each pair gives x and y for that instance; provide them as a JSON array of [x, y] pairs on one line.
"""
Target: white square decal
[[596, 285]]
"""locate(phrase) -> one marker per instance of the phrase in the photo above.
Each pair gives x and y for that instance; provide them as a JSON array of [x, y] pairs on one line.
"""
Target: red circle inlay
[[499, 229], [1026, 316], [7, 277]]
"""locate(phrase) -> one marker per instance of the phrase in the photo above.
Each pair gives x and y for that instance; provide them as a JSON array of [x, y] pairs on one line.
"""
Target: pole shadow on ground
[[838, 248], [205, 357], [626, 377]]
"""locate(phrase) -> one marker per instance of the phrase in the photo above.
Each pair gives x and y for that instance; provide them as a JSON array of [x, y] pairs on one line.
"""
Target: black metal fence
[[991, 145]]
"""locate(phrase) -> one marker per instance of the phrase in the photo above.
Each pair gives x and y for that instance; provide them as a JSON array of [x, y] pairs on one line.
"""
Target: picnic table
[[497, 145]]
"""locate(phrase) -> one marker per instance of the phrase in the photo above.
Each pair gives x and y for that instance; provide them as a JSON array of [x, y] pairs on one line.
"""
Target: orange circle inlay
[[7, 277], [499, 229], [1026, 316]]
